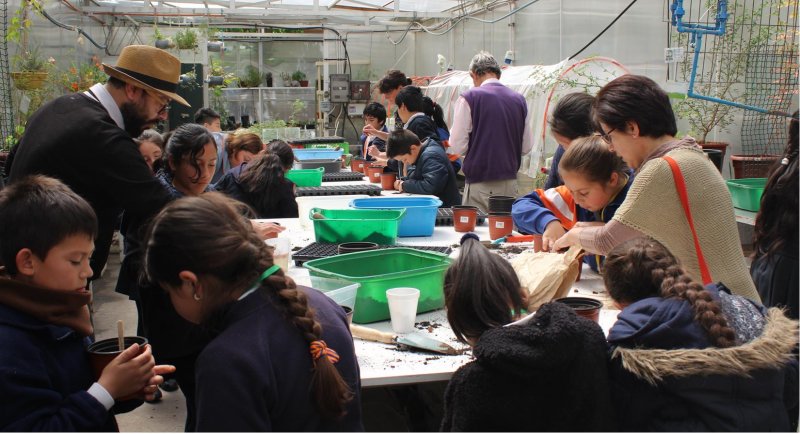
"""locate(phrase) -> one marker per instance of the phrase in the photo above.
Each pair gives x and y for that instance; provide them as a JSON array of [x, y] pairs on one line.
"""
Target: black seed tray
[[323, 250], [320, 140], [444, 217], [342, 176], [333, 190]]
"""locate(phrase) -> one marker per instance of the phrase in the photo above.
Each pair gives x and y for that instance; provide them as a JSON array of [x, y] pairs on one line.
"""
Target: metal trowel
[[414, 339]]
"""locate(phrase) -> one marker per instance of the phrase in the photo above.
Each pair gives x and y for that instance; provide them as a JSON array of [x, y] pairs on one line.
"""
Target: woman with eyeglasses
[[635, 118]]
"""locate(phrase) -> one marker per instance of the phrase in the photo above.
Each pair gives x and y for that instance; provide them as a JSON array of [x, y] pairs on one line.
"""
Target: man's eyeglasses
[[164, 105], [606, 136]]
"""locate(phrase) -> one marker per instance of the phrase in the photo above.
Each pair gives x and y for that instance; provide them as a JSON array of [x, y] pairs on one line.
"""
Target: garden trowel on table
[[414, 339]]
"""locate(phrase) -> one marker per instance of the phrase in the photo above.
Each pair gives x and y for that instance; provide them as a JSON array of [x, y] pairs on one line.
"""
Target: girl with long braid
[[692, 358], [282, 357]]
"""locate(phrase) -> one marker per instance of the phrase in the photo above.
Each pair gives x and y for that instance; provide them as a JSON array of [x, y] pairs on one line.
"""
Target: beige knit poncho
[[654, 208]]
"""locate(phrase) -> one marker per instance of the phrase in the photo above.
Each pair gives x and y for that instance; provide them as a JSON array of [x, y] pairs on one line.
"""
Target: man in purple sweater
[[490, 129]]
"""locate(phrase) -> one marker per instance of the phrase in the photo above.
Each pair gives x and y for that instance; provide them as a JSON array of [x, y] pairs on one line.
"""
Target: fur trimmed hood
[[773, 349]]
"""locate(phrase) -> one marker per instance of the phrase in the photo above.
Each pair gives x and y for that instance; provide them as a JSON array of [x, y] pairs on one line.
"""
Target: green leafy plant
[[251, 77], [32, 61], [186, 39], [297, 107], [277, 123], [298, 76]]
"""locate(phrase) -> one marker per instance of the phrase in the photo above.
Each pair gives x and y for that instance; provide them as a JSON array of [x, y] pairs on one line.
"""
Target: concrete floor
[[169, 414]]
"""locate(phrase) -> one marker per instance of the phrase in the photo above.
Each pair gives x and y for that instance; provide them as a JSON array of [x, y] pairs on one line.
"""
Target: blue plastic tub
[[420, 215], [317, 154]]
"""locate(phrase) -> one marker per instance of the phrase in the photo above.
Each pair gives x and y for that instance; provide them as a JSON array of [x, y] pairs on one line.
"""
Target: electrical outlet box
[[674, 54], [325, 106], [359, 90], [340, 87]]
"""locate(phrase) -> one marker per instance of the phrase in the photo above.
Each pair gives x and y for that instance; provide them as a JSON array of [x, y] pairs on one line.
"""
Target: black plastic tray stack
[[323, 250], [444, 217], [342, 176], [334, 190], [317, 140]]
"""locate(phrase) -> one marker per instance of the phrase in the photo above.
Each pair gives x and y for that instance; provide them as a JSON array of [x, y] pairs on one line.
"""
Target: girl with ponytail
[[692, 358], [282, 357]]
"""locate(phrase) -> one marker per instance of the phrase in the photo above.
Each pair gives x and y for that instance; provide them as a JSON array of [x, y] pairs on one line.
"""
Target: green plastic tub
[[746, 192], [306, 177], [379, 270], [346, 225]]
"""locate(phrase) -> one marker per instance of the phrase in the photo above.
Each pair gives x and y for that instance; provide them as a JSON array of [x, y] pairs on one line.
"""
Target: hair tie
[[268, 272], [785, 161], [467, 236], [319, 348]]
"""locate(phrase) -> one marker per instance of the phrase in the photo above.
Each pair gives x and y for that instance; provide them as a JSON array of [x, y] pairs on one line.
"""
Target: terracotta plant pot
[[537, 242], [387, 180], [464, 218], [500, 225], [586, 307], [374, 174], [358, 164]]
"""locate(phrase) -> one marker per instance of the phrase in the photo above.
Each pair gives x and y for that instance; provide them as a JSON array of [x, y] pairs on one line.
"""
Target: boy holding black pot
[[46, 238], [429, 169]]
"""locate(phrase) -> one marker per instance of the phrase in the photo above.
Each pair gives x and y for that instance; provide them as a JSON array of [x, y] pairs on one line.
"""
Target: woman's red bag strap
[[680, 185]]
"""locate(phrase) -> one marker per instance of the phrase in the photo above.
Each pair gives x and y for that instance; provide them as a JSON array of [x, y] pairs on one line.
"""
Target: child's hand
[[129, 372], [369, 130], [571, 238], [374, 151], [267, 229], [398, 185], [552, 232], [156, 380]]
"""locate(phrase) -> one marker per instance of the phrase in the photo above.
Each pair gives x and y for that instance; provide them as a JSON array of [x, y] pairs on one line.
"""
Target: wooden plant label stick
[[121, 335]]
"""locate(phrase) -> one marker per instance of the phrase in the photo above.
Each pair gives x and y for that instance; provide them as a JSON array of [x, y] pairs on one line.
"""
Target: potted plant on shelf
[[186, 39], [161, 41], [31, 70], [251, 77], [300, 78], [286, 78]]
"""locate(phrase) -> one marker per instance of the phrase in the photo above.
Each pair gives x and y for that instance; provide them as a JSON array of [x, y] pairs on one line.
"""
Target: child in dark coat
[[431, 173], [689, 358], [46, 381], [282, 357], [546, 372]]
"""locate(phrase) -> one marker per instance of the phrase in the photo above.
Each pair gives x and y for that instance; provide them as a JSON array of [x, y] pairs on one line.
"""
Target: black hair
[[411, 97], [777, 219], [643, 267], [205, 115], [376, 110], [38, 212], [481, 291], [400, 141], [190, 234], [283, 151], [187, 141], [572, 116], [392, 80], [153, 136], [261, 180], [115, 82], [435, 111], [591, 158], [635, 98]]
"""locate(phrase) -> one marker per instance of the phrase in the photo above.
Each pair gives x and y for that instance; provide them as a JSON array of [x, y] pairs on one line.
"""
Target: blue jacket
[[44, 378], [255, 374], [666, 375], [553, 178], [531, 216], [433, 174]]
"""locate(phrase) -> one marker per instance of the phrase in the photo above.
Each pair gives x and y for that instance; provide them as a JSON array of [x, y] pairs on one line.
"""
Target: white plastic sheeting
[[542, 86]]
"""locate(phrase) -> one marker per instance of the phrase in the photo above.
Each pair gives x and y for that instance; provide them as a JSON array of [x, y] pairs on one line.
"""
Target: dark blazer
[[256, 373], [424, 127], [73, 138], [433, 174]]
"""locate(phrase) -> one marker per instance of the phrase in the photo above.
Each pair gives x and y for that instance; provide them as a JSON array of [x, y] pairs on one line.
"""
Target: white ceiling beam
[[245, 9]]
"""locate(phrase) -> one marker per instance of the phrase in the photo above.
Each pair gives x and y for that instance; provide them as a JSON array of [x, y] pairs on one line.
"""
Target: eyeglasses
[[164, 105], [606, 136]]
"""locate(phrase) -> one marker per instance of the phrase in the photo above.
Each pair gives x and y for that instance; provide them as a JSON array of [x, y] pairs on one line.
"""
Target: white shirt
[[102, 96], [462, 127]]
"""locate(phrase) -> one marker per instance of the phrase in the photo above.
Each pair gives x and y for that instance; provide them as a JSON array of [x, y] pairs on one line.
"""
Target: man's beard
[[135, 123]]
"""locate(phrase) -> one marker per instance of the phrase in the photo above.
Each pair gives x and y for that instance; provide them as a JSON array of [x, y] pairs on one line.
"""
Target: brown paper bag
[[546, 276]]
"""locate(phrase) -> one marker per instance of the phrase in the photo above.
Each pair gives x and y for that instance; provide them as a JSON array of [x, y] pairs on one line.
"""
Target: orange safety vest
[[560, 202]]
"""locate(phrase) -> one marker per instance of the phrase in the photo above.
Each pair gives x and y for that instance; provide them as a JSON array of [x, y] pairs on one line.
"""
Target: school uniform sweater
[[433, 174], [255, 374]]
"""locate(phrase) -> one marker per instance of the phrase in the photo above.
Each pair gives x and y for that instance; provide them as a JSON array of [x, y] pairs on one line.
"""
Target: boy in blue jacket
[[46, 381], [430, 171]]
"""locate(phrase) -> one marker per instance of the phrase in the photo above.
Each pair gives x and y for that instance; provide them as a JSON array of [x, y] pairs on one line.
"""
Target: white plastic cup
[[403, 308], [280, 254]]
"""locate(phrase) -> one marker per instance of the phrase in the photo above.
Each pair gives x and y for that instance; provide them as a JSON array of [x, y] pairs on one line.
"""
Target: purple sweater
[[495, 143]]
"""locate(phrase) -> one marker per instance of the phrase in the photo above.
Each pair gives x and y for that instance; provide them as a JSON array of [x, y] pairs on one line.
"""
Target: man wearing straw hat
[[86, 140]]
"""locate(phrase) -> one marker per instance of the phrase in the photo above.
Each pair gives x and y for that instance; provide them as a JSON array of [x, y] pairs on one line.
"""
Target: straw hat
[[150, 68]]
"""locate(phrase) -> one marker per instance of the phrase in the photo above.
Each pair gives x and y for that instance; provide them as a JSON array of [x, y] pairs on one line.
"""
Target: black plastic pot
[[500, 203], [356, 247], [584, 306]]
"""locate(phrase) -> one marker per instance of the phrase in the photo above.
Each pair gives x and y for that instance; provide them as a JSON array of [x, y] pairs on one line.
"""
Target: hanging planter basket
[[29, 80]]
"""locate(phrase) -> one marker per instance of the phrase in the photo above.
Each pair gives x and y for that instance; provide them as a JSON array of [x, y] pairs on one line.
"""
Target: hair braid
[[627, 268]]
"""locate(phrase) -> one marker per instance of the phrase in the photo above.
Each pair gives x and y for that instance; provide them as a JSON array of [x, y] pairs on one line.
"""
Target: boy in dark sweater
[[429, 169], [46, 384]]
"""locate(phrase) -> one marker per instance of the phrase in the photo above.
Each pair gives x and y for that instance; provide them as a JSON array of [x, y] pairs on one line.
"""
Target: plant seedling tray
[[342, 176], [333, 190], [320, 140], [444, 217], [323, 250]]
